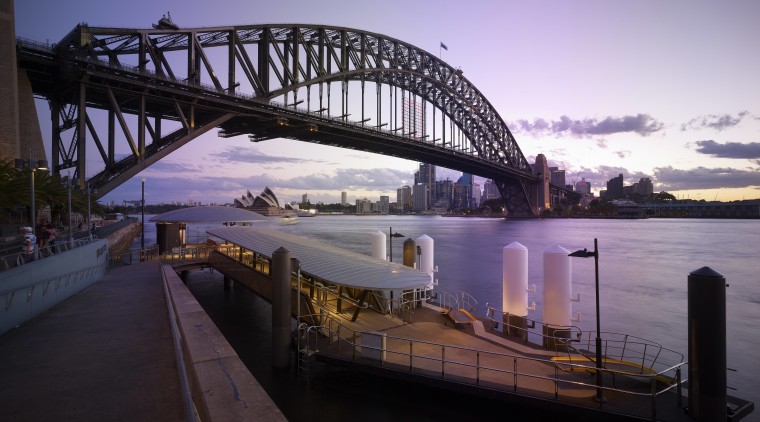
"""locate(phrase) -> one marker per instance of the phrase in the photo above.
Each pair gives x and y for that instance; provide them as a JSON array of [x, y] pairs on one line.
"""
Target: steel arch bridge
[[157, 89]]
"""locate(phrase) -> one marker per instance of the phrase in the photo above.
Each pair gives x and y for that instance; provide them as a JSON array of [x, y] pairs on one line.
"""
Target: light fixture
[[392, 235], [584, 253]]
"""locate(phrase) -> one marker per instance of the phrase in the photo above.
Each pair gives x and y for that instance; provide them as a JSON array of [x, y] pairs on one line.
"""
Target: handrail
[[334, 330], [573, 331], [16, 260]]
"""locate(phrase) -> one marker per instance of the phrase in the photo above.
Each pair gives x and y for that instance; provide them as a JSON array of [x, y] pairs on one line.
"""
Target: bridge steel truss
[[267, 81]]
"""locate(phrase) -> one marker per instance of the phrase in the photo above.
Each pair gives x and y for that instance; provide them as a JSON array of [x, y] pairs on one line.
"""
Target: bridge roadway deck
[[104, 354]]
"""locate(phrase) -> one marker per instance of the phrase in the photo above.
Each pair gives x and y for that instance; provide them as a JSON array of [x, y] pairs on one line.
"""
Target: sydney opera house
[[265, 203]]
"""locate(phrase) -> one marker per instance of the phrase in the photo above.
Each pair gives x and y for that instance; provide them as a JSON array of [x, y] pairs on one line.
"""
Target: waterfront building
[[426, 176], [444, 194], [420, 196], [699, 209], [462, 195], [476, 195], [583, 187], [615, 188], [404, 199], [490, 190], [384, 204], [541, 169], [645, 187], [363, 206], [557, 176], [343, 198], [265, 203]]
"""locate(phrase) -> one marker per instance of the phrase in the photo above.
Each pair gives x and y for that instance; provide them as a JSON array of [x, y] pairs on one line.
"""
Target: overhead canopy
[[209, 214], [334, 265]]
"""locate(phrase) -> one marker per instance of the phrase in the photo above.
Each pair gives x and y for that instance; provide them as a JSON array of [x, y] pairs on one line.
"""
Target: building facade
[[404, 199], [385, 205]]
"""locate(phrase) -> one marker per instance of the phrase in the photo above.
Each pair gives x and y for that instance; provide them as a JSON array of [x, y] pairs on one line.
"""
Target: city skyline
[[646, 89]]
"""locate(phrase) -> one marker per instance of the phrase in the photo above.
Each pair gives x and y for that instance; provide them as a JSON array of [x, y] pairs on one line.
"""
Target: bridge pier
[[19, 125]]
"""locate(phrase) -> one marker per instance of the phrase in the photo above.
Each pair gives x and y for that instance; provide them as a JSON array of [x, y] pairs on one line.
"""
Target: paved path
[[103, 354]]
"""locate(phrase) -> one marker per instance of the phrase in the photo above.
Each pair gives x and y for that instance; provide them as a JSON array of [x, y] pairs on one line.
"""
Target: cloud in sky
[[714, 121], [669, 178], [643, 124], [254, 156], [750, 151]]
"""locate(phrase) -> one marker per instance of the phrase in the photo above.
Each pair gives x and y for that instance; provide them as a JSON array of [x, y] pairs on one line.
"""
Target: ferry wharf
[[355, 323]]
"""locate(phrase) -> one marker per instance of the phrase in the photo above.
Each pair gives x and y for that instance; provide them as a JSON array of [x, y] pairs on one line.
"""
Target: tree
[[49, 190], [664, 197]]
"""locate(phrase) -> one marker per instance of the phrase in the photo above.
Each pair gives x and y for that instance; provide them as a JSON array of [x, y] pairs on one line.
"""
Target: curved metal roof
[[208, 214], [332, 264]]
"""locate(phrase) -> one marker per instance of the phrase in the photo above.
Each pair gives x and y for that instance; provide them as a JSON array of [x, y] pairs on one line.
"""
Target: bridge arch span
[[421, 108]]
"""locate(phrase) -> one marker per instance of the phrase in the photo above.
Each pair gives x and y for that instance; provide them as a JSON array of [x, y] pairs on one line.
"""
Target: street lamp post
[[586, 254], [392, 235], [39, 165], [142, 225]]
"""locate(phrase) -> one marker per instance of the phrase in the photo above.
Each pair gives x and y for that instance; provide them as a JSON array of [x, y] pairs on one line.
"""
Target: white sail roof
[[332, 264]]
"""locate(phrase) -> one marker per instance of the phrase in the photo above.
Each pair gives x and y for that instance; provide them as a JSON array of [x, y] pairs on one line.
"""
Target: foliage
[[664, 197], [328, 208], [49, 190]]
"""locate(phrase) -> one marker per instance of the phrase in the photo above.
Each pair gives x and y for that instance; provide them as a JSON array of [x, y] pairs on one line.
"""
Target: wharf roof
[[208, 214], [330, 263]]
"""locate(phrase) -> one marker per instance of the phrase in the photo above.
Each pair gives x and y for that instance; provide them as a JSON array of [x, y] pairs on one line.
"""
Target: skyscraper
[[420, 196], [343, 198], [645, 187], [615, 188], [404, 199], [384, 205], [490, 190], [541, 169], [583, 187], [426, 175]]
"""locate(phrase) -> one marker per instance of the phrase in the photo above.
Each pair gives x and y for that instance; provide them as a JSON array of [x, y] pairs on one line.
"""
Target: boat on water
[[287, 220]]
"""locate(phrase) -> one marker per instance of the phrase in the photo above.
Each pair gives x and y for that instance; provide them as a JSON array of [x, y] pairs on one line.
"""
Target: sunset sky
[[661, 89]]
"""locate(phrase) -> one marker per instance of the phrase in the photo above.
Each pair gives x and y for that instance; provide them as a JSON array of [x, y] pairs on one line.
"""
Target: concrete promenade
[[104, 354]]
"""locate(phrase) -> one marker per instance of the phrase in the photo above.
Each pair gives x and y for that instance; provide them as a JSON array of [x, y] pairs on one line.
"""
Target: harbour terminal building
[[698, 209]]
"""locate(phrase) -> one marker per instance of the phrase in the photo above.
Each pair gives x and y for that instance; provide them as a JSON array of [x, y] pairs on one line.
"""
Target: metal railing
[[18, 259], [566, 332], [494, 370], [133, 255], [460, 300]]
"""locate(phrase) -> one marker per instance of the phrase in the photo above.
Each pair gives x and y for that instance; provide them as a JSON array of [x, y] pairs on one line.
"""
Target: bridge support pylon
[[520, 197], [19, 126]]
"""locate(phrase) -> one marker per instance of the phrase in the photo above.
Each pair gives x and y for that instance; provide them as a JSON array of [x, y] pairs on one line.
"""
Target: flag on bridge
[[443, 46]]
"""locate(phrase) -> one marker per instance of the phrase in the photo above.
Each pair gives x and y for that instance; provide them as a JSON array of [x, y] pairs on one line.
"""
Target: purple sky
[[667, 90]]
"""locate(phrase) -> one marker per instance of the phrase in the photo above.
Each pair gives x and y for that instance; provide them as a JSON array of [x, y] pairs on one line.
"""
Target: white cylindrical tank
[[557, 286], [515, 279], [426, 244], [378, 245]]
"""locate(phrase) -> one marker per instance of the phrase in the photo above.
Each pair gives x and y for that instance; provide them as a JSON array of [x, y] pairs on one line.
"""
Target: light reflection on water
[[643, 269]]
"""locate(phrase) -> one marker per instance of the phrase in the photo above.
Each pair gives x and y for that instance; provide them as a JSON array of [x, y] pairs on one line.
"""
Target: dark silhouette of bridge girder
[[302, 81]]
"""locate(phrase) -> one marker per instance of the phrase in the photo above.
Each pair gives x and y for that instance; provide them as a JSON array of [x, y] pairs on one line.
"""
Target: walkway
[[104, 354]]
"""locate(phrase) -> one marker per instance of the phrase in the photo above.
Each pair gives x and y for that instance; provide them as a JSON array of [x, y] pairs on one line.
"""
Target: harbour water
[[643, 266]]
